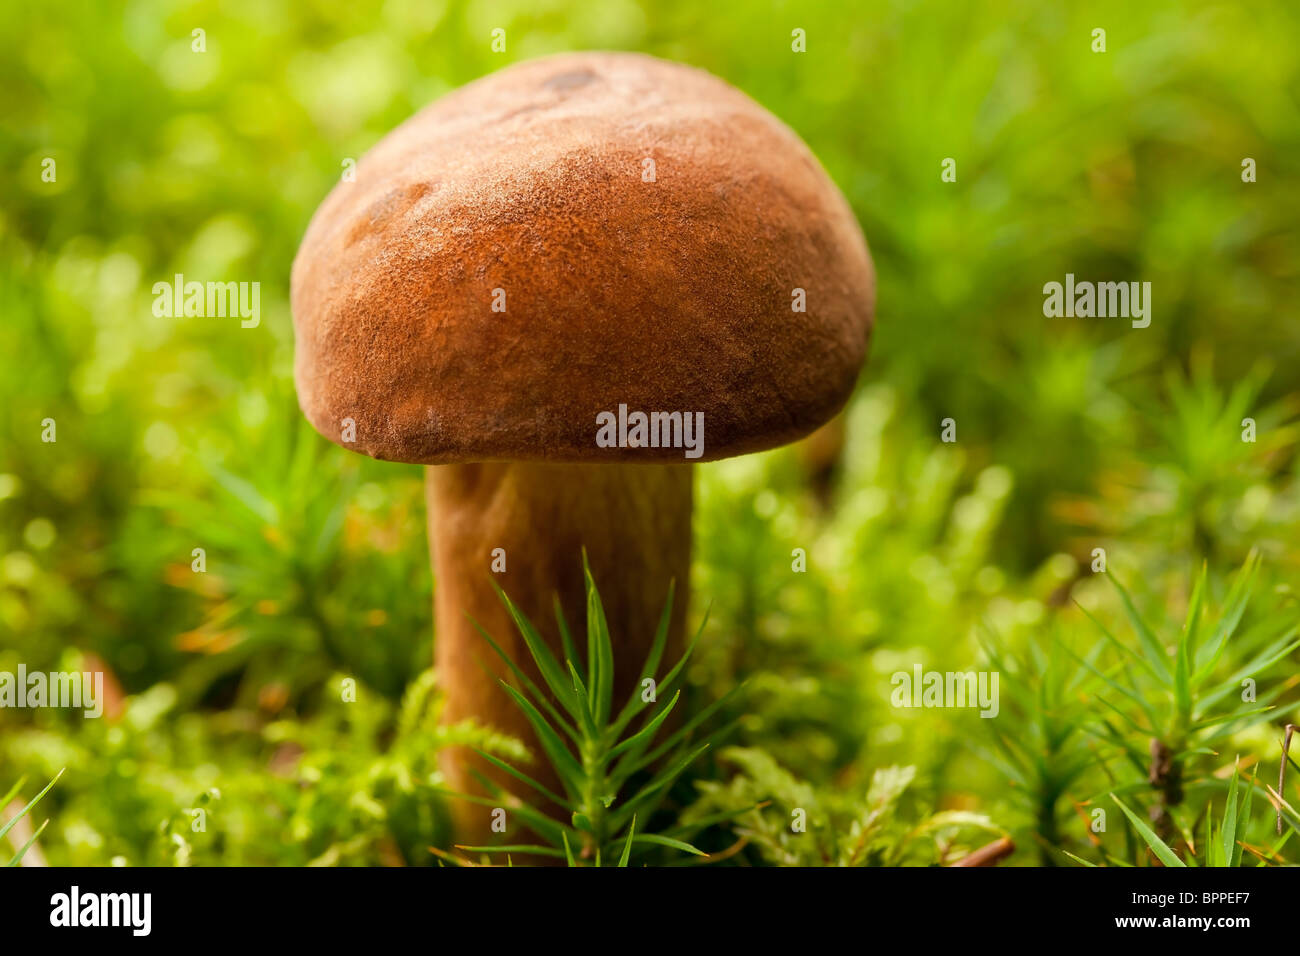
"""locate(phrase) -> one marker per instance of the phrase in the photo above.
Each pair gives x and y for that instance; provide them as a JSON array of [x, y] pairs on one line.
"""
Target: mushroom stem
[[634, 522]]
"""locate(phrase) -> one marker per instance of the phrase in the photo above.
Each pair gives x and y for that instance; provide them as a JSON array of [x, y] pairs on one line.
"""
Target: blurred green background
[[1073, 434]]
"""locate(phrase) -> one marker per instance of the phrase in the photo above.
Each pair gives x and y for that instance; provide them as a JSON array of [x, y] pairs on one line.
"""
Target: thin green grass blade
[[528, 684], [524, 778], [1110, 733], [660, 641], [533, 848], [1238, 846], [1131, 693], [547, 665], [1276, 848], [4, 830], [1151, 646], [659, 840], [1158, 846], [1263, 661], [1209, 839], [566, 636], [627, 847], [1186, 652], [1195, 614], [546, 827], [1144, 731], [647, 733], [587, 719], [1228, 831], [712, 739], [600, 650], [1233, 608], [670, 679], [1236, 715], [684, 732], [1116, 642], [658, 783], [565, 764], [726, 816], [22, 851], [13, 792], [634, 703], [1288, 813]]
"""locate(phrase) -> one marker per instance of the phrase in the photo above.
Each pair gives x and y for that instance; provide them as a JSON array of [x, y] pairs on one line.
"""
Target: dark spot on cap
[[391, 204], [563, 82]]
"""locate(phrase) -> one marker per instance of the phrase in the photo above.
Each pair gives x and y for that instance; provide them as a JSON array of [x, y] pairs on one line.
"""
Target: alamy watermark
[[67, 689], [215, 300], [683, 430], [134, 911], [946, 689], [1127, 300]]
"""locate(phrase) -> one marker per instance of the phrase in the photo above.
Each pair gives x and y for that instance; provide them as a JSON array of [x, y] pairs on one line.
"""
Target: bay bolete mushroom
[[560, 286]]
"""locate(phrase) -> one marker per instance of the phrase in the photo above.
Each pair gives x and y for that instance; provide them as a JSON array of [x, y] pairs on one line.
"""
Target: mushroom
[[560, 286]]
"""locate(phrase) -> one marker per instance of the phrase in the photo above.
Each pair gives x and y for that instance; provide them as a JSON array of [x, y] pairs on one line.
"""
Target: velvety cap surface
[[568, 236]]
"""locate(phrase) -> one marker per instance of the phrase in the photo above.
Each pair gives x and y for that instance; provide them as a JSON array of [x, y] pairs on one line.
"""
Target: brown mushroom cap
[[667, 295]]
